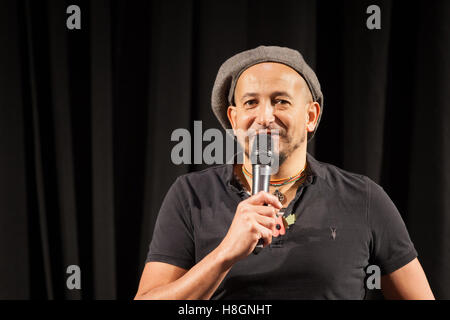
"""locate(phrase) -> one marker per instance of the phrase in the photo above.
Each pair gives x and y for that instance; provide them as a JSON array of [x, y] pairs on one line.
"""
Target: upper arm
[[157, 274], [172, 251], [391, 247], [393, 251], [173, 235], [408, 282]]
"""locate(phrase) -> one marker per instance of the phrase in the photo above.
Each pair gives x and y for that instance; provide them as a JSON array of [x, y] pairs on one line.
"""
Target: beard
[[291, 147], [283, 155]]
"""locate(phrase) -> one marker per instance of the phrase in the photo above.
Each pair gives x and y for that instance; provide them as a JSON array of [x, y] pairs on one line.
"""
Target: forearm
[[200, 282]]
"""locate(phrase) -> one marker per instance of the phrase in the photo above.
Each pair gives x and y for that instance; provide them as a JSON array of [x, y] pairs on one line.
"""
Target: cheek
[[292, 121], [286, 118], [244, 120]]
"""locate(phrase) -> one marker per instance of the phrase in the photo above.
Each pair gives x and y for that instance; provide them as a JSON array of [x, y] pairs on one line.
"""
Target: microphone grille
[[262, 149]]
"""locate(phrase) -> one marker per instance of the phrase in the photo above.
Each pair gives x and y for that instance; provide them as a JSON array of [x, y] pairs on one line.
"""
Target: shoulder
[[339, 179], [353, 186], [205, 186]]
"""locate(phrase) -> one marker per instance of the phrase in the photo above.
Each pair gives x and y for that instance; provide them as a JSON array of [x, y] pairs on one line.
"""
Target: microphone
[[261, 159]]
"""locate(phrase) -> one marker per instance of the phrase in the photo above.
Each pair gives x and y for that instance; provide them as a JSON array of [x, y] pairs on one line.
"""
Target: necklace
[[280, 182]]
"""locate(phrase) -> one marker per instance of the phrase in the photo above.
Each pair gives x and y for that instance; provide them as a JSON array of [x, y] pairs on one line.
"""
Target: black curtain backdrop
[[86, 118]]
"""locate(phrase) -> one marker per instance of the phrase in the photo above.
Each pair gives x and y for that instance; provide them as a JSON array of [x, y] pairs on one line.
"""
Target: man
[[335, 223]]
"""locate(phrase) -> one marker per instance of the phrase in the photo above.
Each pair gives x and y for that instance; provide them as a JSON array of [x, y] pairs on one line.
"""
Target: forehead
[[269, 76]]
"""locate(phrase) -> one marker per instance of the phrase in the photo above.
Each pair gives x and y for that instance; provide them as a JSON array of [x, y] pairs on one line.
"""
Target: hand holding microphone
[[252, 222]]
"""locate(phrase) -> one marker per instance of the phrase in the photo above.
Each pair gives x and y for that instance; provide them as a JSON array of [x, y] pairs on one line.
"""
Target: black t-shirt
[[344, 223]]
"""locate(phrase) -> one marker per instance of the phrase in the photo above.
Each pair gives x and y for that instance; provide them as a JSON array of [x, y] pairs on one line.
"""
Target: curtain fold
[[428, 204], [62, 124], [14, 237], [103, 230]]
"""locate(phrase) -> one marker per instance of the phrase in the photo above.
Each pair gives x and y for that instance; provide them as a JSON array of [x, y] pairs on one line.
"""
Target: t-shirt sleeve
[[391, 246], [173, 240]]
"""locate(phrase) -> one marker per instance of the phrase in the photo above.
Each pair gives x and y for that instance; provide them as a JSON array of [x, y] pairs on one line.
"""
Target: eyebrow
[[249, 95], [272, 95], [281, 93]]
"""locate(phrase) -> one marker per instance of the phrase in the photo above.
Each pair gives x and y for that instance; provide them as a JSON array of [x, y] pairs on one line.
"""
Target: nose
[[265, 114]]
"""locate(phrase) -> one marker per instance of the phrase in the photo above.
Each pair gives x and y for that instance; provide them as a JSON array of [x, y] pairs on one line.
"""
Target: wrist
[[223, 257]]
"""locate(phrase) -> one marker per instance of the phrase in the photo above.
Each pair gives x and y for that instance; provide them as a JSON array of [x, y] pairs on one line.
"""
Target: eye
[[282, 102], [250, 103]]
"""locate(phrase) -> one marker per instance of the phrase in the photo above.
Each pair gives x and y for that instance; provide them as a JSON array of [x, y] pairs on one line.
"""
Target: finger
[[263, 197], [264, 210], [267, 222], [265, 234]]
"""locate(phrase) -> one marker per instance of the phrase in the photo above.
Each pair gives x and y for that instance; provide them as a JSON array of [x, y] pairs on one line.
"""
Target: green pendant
[[290, 219]]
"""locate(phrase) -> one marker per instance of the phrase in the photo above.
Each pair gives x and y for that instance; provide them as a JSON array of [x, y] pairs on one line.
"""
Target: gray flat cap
[[230, 71]]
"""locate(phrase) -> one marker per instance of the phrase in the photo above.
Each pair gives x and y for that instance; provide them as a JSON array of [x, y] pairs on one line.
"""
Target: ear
[[312, 115], [231, 114]]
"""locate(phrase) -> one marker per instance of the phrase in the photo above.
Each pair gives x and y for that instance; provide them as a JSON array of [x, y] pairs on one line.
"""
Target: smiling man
[[334, 223]]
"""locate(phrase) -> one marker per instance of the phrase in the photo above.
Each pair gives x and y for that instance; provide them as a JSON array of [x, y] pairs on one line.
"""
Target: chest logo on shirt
[[333, 232]]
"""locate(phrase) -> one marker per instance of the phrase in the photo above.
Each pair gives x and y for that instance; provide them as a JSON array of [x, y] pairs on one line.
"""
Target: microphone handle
[[260, 181]]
